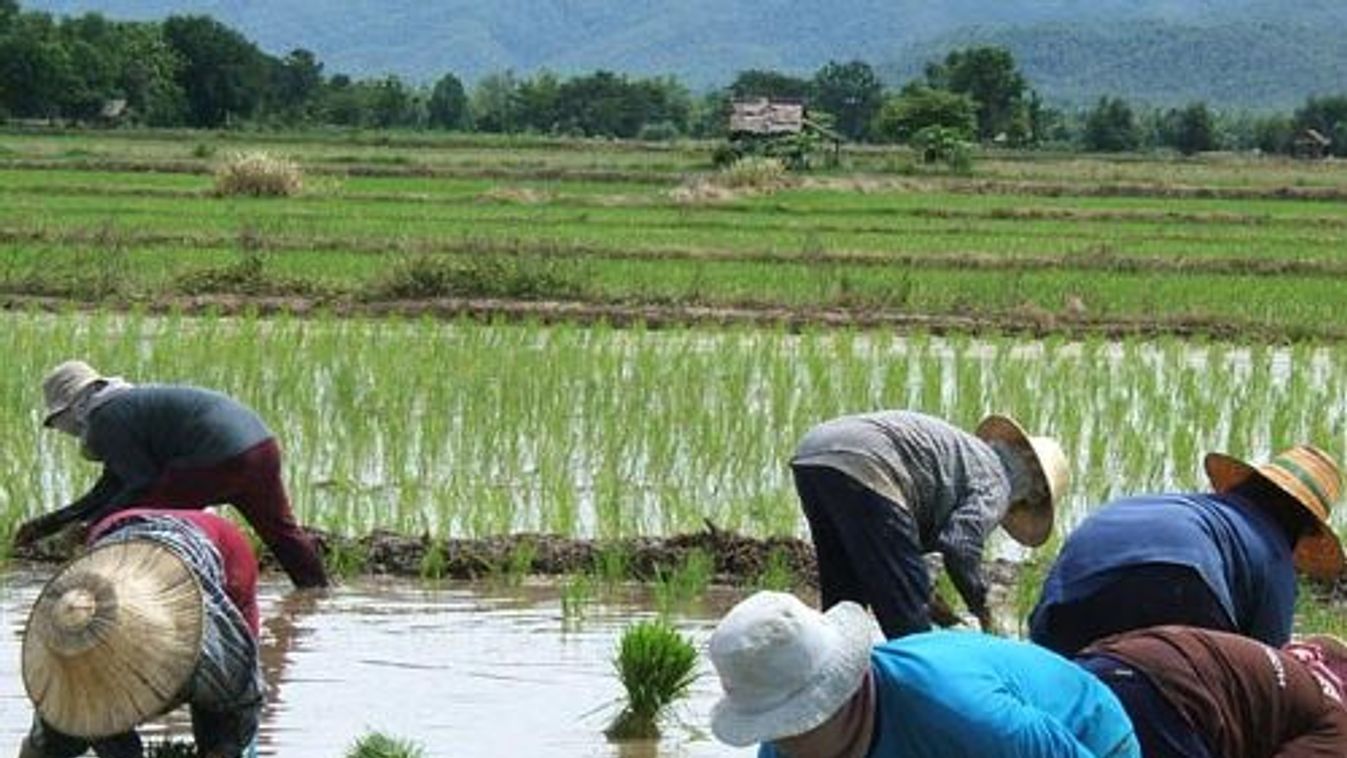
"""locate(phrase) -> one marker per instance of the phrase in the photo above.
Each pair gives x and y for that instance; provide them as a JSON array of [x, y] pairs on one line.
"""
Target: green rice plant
[[380, 745], [346, 557], [434, 561], [1033, 570], [576, 593], [611, 565], [777, 574], [258, 173], [1317, 612], [516, 564], [684, 583], [656, 664]]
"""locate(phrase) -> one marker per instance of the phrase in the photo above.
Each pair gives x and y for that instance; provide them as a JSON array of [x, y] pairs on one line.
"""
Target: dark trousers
[[1151, 594], [251, 482], [207, 727], [868, 550], [1160, 728]]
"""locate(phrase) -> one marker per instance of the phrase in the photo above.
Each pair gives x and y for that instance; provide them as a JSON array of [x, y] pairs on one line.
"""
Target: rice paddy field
[[471, 337]]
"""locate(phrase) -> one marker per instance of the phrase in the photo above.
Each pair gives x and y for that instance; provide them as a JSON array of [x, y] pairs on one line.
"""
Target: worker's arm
[[81, 510], [1027, 732], [961, 543]]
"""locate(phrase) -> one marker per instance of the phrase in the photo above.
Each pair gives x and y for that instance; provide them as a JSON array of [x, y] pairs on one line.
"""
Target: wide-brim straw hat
[[786, 668], [62, 386], [1311, 479], [113, 639], [1030, 521]]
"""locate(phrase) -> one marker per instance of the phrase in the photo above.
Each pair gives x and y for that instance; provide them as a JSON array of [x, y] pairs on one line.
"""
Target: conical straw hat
[[1030, 522], [1310, 478], [113, 639]]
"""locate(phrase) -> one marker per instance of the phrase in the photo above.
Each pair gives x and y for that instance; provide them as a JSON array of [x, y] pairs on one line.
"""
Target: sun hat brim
[[55, 411], [1318, 554], [1029, 522], [835, 682], [132, 658]]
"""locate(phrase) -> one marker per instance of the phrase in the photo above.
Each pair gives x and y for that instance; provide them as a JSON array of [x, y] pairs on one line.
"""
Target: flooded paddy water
[[463, 669]]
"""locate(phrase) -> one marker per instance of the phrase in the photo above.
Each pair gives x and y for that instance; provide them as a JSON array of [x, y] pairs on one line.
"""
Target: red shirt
[[240, 563]]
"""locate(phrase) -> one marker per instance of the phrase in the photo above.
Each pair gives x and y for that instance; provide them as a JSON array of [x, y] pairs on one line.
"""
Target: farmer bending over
[[879, 490], [173, 447], [1225, 560], [1195, 693], [160, 612], [806, 684]]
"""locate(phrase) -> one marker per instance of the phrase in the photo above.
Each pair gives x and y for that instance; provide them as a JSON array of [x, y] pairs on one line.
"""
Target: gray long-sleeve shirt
[[953, 483], [143, 431]]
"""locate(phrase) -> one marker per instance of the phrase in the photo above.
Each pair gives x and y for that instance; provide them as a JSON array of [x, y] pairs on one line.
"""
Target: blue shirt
[[1240, 552], [952, 694]]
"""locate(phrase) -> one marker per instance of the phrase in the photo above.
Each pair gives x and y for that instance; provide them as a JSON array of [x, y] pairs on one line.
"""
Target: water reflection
[[463, 670]]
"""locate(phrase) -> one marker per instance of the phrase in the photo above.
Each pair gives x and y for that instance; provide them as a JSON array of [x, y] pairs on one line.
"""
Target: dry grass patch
[[258, 174]]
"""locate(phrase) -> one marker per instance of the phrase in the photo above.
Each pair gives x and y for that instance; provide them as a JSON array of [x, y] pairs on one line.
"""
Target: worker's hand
[[988, 622], [941, 613]]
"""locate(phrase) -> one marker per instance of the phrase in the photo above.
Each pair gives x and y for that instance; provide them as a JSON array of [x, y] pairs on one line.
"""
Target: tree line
[[194, 71]]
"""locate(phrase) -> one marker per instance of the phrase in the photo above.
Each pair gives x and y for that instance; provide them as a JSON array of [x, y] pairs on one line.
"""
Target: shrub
[[379, 745], [657, 665], [257, 174], [754, 173]]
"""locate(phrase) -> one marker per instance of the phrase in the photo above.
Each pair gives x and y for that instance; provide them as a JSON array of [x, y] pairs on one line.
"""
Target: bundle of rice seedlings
[[258, 174], [657, 666], [380, 745]]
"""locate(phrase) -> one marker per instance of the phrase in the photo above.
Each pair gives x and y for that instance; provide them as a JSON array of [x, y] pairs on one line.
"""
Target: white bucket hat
[[62, 387], [113, 639], [786, 668]]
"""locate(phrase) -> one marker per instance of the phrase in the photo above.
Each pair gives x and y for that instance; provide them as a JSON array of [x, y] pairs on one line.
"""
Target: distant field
[[1221, 244]]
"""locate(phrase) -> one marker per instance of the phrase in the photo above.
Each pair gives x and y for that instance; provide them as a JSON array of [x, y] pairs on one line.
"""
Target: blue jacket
[[953, 694], [1239, 551]]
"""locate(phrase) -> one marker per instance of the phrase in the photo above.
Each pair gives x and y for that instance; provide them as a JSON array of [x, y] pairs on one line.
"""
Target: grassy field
[[1223, 245]]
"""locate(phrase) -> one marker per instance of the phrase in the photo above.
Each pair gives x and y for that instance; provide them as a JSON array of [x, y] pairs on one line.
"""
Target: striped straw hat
[[1311, 479]]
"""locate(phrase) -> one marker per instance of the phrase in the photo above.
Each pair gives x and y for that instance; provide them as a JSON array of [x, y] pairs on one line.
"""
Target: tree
[[989, 76], [298, 80], [851, 93], [495, 107], [224, 76], [769, 84], [1111, 127], [918, 107], [448, 106], [37, 76], [1190, 130], [1328, 116]]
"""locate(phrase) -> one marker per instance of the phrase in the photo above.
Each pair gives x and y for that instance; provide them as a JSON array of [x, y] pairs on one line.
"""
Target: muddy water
[[466, 670]]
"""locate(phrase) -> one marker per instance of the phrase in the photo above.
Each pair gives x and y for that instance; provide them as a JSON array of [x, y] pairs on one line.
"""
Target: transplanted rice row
[[457, 429]]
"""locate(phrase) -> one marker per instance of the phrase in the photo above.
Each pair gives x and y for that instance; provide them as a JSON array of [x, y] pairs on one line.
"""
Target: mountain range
[[1245, 53]]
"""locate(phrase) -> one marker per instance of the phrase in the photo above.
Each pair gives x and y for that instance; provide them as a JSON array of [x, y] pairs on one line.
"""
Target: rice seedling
[[434, 561], [380, 745], [258, 174], [346, 558], [777, 574], [576, 593], [686, 582], [656, 665]]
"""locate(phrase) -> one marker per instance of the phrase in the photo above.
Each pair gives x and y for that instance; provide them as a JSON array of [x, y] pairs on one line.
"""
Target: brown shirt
[[1247, 699]]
